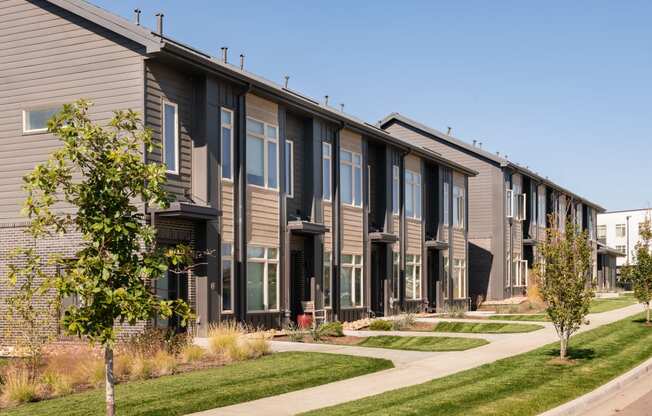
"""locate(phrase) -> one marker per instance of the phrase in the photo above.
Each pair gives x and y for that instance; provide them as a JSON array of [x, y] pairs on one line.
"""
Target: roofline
[[603, 248], [502, 162], [156, 44], [627, 210]]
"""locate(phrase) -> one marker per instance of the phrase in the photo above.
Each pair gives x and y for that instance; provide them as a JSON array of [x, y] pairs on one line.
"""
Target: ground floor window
[[520, 273], [412, 277], [445, 277], [396, 272], [262, 279], [459, 279], [352, 286], [328, 278], [227, 277], [170, 286]]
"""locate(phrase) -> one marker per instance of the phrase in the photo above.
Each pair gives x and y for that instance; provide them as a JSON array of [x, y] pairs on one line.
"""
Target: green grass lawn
[[526, 384], [485, 327], [201, 390], [609, 304], [538, 317], [423, 343]]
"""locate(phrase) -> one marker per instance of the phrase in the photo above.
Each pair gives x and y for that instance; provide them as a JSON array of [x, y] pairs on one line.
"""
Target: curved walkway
[[410, 367]]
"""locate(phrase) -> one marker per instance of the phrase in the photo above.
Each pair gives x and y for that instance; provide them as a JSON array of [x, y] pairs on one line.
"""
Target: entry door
[[297, 285], [378, 278], [434, 282]]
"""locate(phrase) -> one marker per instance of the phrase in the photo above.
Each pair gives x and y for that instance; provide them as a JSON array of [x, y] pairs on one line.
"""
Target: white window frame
[[446, 270], [622, 227], [266, 141], [459, 198], [354, 166], [622, 248], [267, 261], [327, 157], [28, 110], [289, 176], [602, 235], [356, 301], [227, 257], [396, 273], [459, 274], [509, 203], [541, 208], [328, 260], [521, 271], [414, 260], [415, 184], [230, 127], [396, 190], [174, 171], [521, 207]]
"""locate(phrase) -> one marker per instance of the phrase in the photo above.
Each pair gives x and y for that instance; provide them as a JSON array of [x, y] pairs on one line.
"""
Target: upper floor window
[[458, 206], [262, 278], [563, 214], [541, 209], [262, 154], [509, 203], [289, 168], [36, 120], [412, 194], [351, 178], [326, 159], [621, 230], [171, 137], [446, 203], [396, 184], [602, 234], [621, 248], [227, 143]]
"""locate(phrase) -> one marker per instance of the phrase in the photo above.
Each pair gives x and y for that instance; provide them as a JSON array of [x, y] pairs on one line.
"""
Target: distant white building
[[620, 230]]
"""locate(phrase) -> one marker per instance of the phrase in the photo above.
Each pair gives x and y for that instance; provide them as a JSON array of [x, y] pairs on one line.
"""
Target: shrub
[[191, 353], [404, 322], [164, 363], [380, 325], [57, 384], [122, 366], [316, 332], [258, 346], [223, 337], [18, 388], [88, 370], [333, 329], [141, 368], [295, 333]]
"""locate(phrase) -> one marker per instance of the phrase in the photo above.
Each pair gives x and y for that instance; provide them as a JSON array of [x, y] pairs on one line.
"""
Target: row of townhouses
[[306, 208]]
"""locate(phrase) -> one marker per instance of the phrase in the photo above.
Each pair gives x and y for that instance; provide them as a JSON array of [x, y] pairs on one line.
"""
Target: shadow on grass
[[642, 321], [574, 353]]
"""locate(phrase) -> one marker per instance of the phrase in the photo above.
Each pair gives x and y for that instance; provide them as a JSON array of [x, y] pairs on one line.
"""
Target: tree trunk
[[110, 394], [563, 346], [647, 310]]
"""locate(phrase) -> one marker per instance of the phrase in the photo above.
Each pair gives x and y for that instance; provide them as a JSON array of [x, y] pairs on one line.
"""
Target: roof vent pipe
[[342, 107], [475, 142], [497, 153], [450, 129], [480, 145], [242, 61], [225, 50], [159, 24], [287, 78], [137, 16], [325, 99]]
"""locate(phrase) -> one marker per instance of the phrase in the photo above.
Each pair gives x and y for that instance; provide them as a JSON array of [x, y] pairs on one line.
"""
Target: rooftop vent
[[242, 61], [287, 78], [325, 99], [342, 107], [480, 145], [475, 143], [137, 16], [450, 129], [159, 23], [225, 50]]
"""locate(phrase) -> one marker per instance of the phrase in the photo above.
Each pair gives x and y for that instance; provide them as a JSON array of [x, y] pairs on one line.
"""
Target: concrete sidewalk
[[410, 369]]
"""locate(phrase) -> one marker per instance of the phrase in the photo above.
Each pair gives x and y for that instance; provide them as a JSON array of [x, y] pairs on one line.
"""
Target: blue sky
[[563, 87]]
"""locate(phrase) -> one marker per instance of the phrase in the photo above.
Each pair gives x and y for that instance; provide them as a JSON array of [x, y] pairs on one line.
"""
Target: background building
[[620, 230]]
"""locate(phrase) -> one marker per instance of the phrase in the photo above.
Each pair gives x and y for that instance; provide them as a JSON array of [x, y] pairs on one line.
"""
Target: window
[[396, 184], [36, 120], [621, 230], [262, 154], [289, 168], [328, 277], [396, 273], [458, 206], [446, 203], [521, 272], [590, 223], [541, 208], [171, 137], [351, 178], [563, 214], [622, 249], [227, 143], [521, 206], [227, 277], [262, 279], [509, 203], [412, 195], [412, 276], [351, 281], [602, 234], [326, 161], [459, 279], [445, 275]]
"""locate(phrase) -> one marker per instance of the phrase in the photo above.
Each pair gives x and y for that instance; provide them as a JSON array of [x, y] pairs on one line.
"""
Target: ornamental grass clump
[[380, 325], [18, 386]]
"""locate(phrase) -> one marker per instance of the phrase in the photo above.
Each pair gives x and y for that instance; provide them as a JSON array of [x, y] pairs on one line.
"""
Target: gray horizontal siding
[[52, 57]]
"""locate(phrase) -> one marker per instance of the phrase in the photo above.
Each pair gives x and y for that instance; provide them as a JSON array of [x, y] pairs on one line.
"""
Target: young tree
[[100, 171], [563, 279], [640, 273]]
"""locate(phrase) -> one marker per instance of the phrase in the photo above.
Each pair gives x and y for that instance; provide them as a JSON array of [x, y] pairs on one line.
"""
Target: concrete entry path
[[410, 369]]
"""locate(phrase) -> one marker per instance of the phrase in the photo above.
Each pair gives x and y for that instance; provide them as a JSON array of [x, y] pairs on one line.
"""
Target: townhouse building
[[304, 208], [509, 210]]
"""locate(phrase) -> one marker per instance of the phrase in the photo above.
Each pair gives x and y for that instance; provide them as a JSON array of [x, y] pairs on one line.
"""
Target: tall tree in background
[[640, 273], [563, 274], [101, 172]]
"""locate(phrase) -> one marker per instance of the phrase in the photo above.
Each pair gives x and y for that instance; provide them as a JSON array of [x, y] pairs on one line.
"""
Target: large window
[[509, 203], [227, 277], [36, 120], [171, 137], [458, 206], [602, 234], [328, 280], [396, 189], [621, 230], [520, 272], [459, 278], [262, 154], [541, 208], [262, 279], [326, 161], [289, 168], [227, 144], [412, 277], [351, 178], [412, 194], [352, 286]]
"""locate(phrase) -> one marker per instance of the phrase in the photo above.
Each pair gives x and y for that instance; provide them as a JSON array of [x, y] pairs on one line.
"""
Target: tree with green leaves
[[640, 273], [100, 171], [563, 272]]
